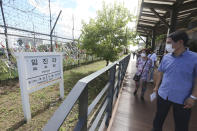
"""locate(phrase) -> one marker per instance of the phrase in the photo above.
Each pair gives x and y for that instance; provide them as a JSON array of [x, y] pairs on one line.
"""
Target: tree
[[42, 48], [107, 34]]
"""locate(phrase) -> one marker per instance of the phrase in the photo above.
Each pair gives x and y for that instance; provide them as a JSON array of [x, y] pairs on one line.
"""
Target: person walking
[[152, 55], [176, 83], [143, 66], [134, 55]]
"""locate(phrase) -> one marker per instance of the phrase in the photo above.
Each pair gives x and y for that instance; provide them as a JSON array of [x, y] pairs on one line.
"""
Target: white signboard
[[36, 71]]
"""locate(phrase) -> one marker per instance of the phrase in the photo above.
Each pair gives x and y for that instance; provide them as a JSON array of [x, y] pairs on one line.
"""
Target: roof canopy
[[156, 15]]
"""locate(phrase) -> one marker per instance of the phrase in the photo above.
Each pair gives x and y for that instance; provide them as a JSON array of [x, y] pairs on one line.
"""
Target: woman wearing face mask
[[143, 67]]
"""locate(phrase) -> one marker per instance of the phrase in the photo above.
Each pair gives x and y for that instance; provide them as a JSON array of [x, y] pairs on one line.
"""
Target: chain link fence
[[27, 25]]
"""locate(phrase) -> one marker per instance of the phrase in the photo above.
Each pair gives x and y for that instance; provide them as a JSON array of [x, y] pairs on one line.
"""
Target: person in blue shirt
[[176, 83]]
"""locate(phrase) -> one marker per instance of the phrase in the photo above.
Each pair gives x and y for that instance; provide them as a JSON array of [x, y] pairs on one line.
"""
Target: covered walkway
[[132, 114]]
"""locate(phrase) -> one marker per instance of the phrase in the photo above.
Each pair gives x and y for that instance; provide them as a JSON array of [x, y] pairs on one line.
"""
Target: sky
[[77, 9], [34, 15]]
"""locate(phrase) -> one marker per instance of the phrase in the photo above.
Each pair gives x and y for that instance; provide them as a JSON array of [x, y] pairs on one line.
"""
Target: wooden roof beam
[[186, 19], [164, 0], [179, 2], [142, 39], [187, 11], [188, 5], [151, 13], [157, 6], [145, 27], [145, 35], [147, 15], [161, 18], [144, 30], [147, 21]]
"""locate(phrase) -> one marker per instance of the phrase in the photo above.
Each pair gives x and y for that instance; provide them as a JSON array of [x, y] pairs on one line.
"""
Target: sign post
[[36, 71]]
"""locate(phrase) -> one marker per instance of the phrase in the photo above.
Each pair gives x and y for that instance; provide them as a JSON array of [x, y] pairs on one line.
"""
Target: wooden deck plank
[[132, 114]]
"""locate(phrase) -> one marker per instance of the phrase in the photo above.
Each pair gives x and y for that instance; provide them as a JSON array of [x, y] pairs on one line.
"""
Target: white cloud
[[84, 10]]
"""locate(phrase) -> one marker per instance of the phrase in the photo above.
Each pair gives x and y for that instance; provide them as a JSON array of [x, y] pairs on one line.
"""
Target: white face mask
[[143, 55], [169, 48]]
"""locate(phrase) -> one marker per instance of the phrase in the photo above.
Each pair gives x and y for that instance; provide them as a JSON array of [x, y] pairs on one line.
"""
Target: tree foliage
[[160, 38], [108, 34]]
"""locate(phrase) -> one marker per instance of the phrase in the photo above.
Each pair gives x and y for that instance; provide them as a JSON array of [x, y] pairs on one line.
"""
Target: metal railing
[[79, 92]]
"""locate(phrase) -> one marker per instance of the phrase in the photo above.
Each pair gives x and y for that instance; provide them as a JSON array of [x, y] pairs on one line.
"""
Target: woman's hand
[[155, 89]]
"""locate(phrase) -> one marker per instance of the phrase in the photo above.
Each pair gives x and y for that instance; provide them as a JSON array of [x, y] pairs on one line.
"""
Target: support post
[[119, 78], [147, 42], [5, 30], [83, 108], [50, 21], [23, 86], [173, 19], [73, 28], [153, 39], [110, 94], [173, 16], [53, 29], [61, 85]]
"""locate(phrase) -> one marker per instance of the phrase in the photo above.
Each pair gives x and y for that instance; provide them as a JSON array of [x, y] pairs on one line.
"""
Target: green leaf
[[108, 34]]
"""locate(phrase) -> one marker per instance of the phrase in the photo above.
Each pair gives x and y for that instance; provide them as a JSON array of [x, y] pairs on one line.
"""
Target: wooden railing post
[[110, 94]]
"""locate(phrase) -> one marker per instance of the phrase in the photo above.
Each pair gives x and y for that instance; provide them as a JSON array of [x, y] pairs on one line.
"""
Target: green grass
[[44, 102]]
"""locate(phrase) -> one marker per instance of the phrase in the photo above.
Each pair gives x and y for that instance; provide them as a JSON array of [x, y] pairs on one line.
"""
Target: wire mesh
[[28, 30], [29, 21]]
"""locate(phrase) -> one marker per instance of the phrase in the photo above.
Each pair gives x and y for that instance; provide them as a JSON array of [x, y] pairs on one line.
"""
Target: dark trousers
[[181, 115]]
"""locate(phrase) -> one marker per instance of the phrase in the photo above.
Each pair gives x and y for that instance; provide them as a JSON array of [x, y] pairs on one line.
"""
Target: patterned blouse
[[140, 65]]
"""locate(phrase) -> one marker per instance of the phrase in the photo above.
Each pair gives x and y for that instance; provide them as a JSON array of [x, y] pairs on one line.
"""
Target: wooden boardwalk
[[132, 114]]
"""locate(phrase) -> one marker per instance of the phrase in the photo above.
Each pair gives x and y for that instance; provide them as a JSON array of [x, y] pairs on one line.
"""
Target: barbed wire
[[23, 15], [33, 24]]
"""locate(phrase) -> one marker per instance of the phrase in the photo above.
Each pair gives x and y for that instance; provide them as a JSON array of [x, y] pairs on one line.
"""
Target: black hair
[[145, 50], [179, 35]]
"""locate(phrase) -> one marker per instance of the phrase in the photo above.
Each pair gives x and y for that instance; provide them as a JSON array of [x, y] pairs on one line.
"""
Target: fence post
[[83, 108], [119, 78], [51, 31], [110, 94], [123, 69], [78, 58], [128, 59], [5, 31]]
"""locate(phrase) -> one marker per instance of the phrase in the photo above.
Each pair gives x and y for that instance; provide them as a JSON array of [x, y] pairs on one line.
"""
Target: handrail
[[80, 92], [96, 100]]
